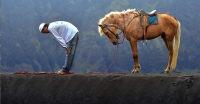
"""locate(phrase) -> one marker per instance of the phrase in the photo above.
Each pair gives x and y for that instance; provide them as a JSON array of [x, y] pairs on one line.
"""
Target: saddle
[[144, 19], [152, 13]]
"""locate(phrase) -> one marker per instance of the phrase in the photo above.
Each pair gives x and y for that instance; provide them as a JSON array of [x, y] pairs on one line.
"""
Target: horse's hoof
[[137, 71], [167, 71]]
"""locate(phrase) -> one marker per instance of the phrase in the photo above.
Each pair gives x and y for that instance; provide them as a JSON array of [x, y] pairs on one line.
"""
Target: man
[[67, 35]]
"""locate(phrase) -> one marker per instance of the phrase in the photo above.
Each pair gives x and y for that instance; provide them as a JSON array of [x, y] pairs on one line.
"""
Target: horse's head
[[110, 31]]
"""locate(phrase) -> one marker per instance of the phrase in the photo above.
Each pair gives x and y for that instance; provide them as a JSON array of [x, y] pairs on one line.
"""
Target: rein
[[117, 37], [117, 46]]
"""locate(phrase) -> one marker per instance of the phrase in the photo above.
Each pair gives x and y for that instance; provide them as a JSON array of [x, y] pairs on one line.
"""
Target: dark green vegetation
[[23, 47]]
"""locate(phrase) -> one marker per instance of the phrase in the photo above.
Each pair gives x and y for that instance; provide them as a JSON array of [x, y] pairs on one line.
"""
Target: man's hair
[[46, 25]]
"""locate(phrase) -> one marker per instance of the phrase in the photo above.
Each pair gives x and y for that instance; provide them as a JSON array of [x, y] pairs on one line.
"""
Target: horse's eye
[[106, 33]]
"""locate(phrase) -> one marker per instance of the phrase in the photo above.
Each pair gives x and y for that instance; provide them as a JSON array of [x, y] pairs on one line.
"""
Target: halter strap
[[106, 26], [113, 25]]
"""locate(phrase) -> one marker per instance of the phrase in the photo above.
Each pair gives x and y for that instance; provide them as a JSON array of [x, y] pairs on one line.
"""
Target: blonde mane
[[113, 14]]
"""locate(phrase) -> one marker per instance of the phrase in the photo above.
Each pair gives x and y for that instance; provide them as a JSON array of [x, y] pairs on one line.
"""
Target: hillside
[[23, 47]]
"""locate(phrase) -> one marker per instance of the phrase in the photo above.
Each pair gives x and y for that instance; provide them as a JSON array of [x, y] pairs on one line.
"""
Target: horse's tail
[[176, 46]]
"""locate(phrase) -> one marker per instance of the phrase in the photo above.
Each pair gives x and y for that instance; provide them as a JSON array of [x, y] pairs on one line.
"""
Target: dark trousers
[[72, 44]]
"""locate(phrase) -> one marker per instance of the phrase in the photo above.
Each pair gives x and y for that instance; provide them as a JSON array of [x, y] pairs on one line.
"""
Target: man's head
[[43, 28]]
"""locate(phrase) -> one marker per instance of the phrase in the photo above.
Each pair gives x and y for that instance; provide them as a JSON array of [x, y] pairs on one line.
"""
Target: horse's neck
[[125, 20], [121, 22]]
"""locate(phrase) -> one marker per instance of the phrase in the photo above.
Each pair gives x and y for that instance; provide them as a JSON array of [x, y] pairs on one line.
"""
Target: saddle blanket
[[153, 20]]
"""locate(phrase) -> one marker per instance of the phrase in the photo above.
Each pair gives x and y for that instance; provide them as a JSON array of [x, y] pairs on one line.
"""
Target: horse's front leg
[[134, 48]]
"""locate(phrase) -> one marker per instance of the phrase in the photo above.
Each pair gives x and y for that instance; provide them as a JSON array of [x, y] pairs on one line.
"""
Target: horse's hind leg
[[133, 44], [169, 45]]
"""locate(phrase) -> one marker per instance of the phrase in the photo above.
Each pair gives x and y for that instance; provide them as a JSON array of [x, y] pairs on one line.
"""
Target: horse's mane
[[113, 14]]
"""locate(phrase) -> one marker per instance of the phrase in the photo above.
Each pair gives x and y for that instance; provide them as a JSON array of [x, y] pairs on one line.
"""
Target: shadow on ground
[[100, 89]]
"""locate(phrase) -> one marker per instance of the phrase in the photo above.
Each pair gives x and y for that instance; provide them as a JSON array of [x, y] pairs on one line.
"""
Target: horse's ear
[[100, 25]]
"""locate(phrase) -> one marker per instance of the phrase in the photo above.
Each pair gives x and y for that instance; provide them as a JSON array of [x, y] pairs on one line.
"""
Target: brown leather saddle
[[144, 19]]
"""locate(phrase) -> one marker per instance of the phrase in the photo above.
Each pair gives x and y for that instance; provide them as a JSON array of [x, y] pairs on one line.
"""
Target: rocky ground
[[174, 88]]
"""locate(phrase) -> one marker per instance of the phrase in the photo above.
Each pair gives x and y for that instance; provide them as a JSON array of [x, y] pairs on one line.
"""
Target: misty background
[[23, 47]]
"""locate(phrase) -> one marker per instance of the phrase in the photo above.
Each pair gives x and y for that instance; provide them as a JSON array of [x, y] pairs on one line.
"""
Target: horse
[[168, 27]]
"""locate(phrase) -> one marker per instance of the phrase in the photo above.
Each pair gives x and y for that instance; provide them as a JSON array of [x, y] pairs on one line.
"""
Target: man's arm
[[58, 38]]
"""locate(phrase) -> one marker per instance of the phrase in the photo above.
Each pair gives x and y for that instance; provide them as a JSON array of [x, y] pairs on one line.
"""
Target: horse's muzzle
[[115, 43]]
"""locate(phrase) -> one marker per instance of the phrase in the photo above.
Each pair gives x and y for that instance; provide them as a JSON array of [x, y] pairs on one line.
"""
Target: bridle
[[117, 35], [106, 26]]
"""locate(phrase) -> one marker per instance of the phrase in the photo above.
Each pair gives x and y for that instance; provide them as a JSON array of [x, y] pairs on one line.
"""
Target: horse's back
[[167, 24], [170, 23], [167, 19]]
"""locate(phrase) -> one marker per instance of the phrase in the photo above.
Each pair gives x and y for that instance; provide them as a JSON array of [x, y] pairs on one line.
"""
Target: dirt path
[[101, 89]]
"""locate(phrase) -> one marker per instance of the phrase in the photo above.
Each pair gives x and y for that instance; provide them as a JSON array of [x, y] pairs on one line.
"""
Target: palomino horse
[[128, 22]]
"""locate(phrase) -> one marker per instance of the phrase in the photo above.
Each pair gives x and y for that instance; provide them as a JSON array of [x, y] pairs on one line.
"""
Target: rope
[[115, 55], [119, 43], [113, 60], [117, 47]]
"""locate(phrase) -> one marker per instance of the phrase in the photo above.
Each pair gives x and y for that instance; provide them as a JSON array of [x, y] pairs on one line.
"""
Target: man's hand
[[67, 51]]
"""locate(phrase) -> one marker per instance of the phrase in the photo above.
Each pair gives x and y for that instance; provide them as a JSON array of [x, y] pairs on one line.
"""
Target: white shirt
[[63, 31]]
